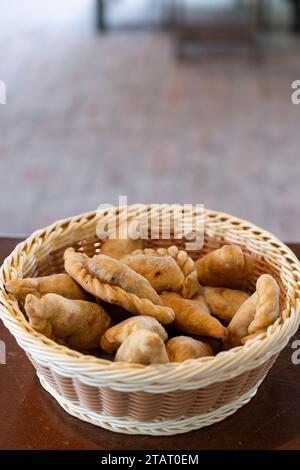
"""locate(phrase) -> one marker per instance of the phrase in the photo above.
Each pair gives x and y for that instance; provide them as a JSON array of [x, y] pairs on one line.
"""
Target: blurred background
[[180, 101]]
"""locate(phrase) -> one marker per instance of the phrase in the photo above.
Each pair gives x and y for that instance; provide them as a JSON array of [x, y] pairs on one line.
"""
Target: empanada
[[267, 309], [114, 282], [257, 313], [238, 326], [161, 271], [60, 284], [78, 323], [116, 248], [222, 302], [117, 334], [226, 267], [189, 284], [182, 348], [191, 318], [199, 299], [143, 347]]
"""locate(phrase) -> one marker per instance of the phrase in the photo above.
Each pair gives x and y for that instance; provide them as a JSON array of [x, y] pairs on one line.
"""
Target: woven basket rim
[[263, 346]]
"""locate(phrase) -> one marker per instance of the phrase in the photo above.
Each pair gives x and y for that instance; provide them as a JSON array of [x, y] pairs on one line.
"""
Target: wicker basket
[[156, 399]]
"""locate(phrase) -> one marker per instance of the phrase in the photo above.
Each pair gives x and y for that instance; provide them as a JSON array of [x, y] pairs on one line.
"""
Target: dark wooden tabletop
[[32, 419]]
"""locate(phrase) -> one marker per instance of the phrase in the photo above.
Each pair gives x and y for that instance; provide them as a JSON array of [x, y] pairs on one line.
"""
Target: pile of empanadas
[[202, 303]]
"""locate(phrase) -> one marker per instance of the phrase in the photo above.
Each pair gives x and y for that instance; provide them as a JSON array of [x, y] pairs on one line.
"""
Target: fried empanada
[[60, 284], [189, 284], [257, 313], [191, 318], [116, 248], [226, 267], [117, 334], [78, 323], [222, 302], [162, 272], [199, 299], [238, 326], [114, 282], [113, 272], [267, 309], [143, 347], [182, 348]]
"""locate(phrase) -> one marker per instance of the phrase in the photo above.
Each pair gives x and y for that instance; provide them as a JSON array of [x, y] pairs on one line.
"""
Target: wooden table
[[32, 419]]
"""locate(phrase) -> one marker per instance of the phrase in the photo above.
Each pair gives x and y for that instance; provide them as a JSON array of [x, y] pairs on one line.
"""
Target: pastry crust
[[250, 337], [223, 302], [100, 276], [78, 323], [143, 347], [116, 248], [267, 309], [61, 284], [257, 313], [182, 348], [238, 327], [116, 335], [191, 318], [226, 267], [190, 283], [162, 272]]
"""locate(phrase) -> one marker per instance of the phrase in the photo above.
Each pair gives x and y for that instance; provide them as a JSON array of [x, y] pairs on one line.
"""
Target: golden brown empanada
[[199, 299], [115, 283], [257, 313], [191, 318], [117, 334], [190, 284], [238, 326], [267, 309], [222, 302], [182, 348], [60, 284], [77, 323], [226, 267], [161, 271], [116, 248], [143, 347]]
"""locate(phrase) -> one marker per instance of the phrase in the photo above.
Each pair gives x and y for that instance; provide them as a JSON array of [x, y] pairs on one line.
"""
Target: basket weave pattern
[[155, 399], [143, 406]]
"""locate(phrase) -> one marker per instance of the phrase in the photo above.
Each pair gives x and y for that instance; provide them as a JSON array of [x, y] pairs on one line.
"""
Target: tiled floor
[[90, 117]]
